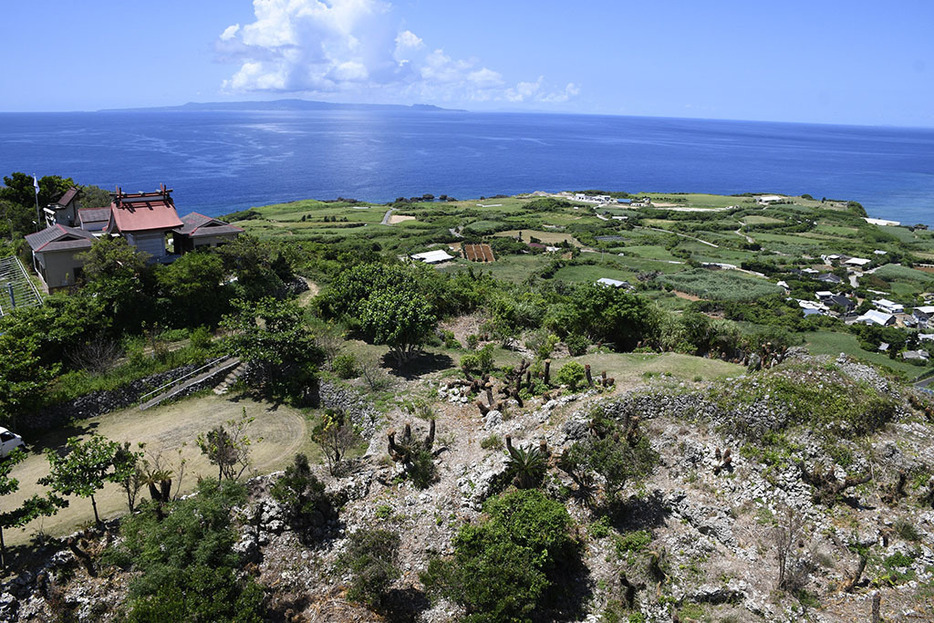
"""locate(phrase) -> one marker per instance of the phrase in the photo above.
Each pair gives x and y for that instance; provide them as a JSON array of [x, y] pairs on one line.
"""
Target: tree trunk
[[97, 519]]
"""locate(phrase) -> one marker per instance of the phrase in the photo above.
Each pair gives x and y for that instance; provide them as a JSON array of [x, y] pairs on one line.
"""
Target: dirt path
[[170, 431], [665, 231]]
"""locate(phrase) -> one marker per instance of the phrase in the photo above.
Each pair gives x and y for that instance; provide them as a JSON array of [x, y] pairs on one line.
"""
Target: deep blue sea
[[218, 162]]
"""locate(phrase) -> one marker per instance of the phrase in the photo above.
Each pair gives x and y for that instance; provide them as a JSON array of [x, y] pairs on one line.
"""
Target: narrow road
[[386, 217], [665, 231]]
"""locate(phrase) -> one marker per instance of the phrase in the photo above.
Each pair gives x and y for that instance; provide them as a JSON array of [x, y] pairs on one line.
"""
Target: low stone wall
[[101, 402]]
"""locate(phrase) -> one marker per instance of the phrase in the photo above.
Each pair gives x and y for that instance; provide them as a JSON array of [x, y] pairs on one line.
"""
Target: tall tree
[[84, 469], [273, 338]]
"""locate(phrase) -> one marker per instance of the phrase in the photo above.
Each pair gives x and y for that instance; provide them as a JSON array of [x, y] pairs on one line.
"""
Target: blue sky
[[822, 61]]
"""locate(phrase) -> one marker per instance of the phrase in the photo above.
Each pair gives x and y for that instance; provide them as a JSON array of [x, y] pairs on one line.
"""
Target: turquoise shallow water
[[219, 162]]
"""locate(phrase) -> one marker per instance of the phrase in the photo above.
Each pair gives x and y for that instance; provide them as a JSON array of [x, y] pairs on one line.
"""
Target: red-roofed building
[[201, 231], [144, 219], [55, 252]]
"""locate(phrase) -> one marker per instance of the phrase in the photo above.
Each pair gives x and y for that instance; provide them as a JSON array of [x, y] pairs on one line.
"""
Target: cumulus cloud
[[356, 46]]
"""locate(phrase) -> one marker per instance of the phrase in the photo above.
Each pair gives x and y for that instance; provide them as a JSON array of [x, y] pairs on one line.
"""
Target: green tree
[[398, 319], [335, 434], [187, 568], [24, 377], [192, 289], [31, 508], [615, 452], [228, 447], [512, 564], [128, 472], [84, 469], [273, 338], [118, 275], [19, 193], [607, 315]]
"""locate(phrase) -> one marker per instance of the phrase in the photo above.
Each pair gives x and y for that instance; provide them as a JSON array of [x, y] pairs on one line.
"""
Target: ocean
[[221, 161]]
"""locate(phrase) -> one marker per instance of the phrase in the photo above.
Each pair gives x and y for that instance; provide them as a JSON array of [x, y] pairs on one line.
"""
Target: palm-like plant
[[527, 466]]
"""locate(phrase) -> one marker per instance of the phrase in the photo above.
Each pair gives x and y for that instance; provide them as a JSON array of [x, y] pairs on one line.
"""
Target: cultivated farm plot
[[546, 237], [278, 433], [725, 285]]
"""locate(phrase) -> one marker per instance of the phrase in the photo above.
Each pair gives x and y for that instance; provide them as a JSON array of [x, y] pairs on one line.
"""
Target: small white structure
[[823, 295], [889, 307], [881, 221], [432, 257], [880, 252], [764, 200], [612, 283], [924, 313], [876, 317], [857, 262]]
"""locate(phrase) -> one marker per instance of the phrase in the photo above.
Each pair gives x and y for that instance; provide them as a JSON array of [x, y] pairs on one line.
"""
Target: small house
[[766, 200], [857, 262], [889, 307], [56, 253], [199, 232], [877, 318], [924, 313], [613, 283], [829, 278], [839, 300], [63, 211], [915, 355]]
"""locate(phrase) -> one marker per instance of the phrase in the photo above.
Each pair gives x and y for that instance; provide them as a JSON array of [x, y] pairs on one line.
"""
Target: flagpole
[[35, 185]]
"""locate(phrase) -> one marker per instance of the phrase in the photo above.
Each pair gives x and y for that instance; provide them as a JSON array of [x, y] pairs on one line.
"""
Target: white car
[[9, 441]]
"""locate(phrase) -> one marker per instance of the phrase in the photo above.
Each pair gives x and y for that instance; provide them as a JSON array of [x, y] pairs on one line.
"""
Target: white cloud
[[230, 32], [355, 46]]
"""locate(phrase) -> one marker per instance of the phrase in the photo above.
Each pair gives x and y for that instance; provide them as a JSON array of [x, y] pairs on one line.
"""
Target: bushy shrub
[[577, 344], [371, 557], [573, 375], [302, 496], [510, 566], [187, 568], [345, 366]]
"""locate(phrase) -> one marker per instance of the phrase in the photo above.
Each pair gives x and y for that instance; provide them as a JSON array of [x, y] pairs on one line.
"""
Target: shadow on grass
[[424, 363], [57, 438]]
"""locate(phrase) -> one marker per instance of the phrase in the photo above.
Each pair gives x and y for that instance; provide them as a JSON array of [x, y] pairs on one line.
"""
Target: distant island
[[285, 104]]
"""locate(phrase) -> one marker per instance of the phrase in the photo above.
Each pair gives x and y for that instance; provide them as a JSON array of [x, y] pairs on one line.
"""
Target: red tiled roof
[[198, 225], [59, 238], [146, 215]]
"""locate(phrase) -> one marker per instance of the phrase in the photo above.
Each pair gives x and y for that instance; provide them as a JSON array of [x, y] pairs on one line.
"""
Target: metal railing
[[210, 364]]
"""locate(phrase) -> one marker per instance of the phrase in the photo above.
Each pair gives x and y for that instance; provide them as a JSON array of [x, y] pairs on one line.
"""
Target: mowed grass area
[[277, 432], [831, 343], [632, 369]]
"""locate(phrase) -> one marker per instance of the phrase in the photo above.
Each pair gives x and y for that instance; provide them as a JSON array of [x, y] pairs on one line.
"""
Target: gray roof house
[[55, 255]]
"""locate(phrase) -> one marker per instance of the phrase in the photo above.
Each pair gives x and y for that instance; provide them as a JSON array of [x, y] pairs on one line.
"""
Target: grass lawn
[[632, 369], [833, 343], [278, 433]]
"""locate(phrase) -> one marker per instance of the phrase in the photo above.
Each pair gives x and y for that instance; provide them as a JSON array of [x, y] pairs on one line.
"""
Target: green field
[[832, 343]]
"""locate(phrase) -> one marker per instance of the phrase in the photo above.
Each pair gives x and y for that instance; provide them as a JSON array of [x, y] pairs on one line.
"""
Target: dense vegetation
[[521, 560]]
